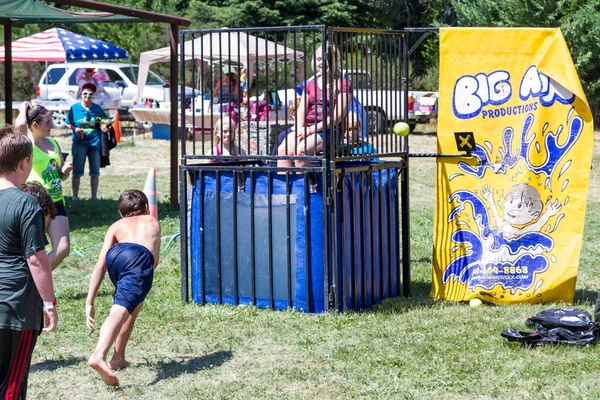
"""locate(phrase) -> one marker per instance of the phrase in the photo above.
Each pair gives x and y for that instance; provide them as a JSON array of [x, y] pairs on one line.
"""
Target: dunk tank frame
[[329, 234]]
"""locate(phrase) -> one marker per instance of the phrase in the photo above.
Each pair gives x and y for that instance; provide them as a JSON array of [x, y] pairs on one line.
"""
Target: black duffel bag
[[557, 326]]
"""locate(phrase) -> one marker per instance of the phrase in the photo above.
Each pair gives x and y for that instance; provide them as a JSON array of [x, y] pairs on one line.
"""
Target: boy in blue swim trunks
[[130, 254]]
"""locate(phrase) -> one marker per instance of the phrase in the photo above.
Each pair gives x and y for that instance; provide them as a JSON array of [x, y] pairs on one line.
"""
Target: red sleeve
[[310, 87], [345, 86]]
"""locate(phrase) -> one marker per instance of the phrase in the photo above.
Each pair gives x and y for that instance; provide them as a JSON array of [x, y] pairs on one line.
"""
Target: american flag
[[59, 45]]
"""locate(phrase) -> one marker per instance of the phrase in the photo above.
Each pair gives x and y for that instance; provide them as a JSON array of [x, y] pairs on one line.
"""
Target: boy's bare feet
[[101, 367], [118, 363]]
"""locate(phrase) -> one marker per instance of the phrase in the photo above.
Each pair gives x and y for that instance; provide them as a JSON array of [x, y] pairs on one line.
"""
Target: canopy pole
[[8, 74], [174, 33], [130, 12], [48, 80], [135, 78], [70, 100]]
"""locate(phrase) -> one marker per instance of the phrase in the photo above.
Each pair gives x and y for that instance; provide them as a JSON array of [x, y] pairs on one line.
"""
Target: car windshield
[[359, 80], [153, 79]]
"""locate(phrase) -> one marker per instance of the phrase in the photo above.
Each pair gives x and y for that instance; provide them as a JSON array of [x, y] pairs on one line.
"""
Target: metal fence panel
[[272, 220]]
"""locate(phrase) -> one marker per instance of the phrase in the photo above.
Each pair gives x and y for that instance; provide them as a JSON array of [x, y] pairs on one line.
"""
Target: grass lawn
[[402, 348]]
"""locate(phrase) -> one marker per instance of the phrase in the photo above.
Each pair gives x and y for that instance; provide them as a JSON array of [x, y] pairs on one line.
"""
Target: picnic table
[[161, 120]]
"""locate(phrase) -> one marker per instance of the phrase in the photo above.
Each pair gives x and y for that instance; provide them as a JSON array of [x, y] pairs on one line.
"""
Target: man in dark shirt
[[26, 289]]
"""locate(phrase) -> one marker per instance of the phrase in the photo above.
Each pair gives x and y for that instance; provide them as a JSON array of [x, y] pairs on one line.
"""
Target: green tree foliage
[[26, 75], [256, 13], [578, 20], [398, 14], [140, 37], [134, 37]]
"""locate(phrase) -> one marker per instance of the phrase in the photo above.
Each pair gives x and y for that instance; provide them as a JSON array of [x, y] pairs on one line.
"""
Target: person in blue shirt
[[83, 120]]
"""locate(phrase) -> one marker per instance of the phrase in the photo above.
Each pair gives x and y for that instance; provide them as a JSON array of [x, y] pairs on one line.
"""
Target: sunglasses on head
[[34, 114]]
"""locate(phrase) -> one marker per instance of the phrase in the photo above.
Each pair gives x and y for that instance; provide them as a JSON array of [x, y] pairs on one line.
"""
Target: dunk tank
[[294, 188]]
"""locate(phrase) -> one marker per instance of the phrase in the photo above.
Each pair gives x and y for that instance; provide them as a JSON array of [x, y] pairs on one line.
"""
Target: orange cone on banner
[[117, 126], [150, 192]]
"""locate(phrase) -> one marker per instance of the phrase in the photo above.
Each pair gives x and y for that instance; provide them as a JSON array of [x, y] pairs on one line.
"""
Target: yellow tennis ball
[[401, 129], [474, 303]]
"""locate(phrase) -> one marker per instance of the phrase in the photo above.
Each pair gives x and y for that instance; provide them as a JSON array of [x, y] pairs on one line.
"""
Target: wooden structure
[[17, 13]]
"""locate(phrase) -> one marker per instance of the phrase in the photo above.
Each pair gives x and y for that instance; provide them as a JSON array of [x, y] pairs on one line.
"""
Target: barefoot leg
[[118, 364], [118, 359], [108, 334], [101, 367]]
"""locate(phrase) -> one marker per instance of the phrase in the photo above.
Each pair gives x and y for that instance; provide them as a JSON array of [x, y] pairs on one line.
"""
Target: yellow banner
[[509, 219]]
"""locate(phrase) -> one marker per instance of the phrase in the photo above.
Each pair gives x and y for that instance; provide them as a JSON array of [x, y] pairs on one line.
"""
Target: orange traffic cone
[[117, 128], [150, 192]]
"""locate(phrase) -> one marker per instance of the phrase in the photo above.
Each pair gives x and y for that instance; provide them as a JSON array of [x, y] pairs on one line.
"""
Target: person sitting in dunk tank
[[224, 139], [309, 137], [354, 144]]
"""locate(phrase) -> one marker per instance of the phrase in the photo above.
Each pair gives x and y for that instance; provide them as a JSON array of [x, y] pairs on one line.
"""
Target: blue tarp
[[212, 243], [82, 48], [59, 45]]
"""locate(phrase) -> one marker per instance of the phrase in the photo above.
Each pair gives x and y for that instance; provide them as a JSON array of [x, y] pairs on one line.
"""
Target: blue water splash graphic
[[490, 258], [508, 159]]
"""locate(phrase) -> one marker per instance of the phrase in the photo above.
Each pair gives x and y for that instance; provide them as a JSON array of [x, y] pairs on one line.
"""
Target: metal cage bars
[[331, 165], [382, 55]]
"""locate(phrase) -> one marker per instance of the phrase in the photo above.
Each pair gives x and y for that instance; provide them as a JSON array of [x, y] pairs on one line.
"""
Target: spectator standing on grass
[[354, 143], [227, 89], [50, 170], [83, 121], [43, 198], [26, 288]]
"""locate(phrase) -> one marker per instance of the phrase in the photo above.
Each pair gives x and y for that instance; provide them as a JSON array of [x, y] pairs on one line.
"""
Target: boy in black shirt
[[26, 289]]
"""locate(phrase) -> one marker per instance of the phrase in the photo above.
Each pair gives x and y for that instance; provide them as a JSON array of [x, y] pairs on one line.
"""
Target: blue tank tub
[[301, 261], [365, 273], [367, 238]]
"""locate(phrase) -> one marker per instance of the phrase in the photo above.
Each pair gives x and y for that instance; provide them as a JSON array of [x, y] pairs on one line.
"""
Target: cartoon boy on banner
[[509, 219]]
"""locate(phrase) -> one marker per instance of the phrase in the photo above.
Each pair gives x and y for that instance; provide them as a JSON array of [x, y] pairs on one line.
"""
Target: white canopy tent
[[233, 47]]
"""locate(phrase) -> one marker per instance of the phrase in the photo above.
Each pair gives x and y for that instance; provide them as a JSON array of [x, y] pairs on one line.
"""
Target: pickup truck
[[385, 107]]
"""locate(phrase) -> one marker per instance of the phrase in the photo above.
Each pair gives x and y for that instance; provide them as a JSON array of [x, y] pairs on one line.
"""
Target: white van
[[58, 84]]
